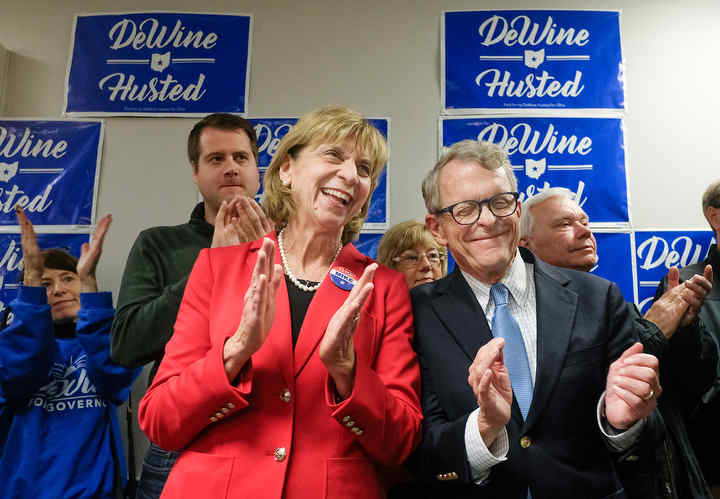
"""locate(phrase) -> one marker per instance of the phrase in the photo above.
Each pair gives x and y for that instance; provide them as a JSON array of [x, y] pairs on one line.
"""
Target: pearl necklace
[[289, 273]]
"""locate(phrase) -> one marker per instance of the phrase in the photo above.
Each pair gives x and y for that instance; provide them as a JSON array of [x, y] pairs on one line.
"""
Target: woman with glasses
[[409, 248]]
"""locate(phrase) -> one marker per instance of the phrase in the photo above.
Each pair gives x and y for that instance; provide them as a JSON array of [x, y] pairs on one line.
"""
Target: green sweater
[[152, 288]]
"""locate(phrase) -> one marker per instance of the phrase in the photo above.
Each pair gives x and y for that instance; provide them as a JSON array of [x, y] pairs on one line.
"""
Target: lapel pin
[[343, 278]]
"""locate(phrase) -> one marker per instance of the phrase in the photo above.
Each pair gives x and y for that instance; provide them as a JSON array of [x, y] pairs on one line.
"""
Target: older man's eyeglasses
[[414, 259], [468, 212]]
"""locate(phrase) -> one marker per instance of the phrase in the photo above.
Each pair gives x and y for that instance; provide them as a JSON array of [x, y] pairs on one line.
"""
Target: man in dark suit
[[556, 229], [533, 381]]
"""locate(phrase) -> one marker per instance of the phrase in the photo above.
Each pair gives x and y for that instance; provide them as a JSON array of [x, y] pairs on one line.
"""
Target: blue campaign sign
[[585, 155], [658, 250], [520, 59], [158, 64], [367, 243], [51, 169], [614, 263], [271, 130], [11, 258]]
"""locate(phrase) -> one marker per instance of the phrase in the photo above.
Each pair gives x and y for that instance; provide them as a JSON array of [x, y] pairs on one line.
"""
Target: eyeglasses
[[415, 259], [468, 212]]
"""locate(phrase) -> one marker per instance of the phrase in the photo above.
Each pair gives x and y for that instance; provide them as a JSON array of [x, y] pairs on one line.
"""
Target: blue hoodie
[[62, 393]]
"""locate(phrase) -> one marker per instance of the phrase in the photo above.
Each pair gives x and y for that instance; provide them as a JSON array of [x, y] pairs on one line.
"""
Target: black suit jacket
[[583, 324]]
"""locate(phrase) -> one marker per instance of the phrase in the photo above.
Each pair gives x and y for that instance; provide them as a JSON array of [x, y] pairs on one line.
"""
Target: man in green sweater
[[223, 150]]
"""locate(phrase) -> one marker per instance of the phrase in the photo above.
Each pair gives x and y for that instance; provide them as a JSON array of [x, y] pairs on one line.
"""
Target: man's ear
[[436, 229], [194, 168], [712, 215]]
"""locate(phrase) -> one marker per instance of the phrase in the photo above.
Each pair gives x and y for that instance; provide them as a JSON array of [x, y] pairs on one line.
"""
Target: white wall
[[4, 64], [382, 58]]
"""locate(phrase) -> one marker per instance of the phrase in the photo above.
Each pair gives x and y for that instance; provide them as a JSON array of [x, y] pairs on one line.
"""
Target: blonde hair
[[405, 236], [326, 125]]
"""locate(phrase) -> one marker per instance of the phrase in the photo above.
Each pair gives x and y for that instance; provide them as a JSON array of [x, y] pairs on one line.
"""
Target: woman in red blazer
[[291, 373]]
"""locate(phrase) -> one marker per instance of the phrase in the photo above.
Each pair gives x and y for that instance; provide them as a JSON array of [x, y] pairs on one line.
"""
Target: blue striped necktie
[[505, 326]]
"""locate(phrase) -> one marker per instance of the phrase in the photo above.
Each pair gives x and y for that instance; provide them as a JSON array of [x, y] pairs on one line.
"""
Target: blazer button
[[280, 454], [525, 442], [285, 395]]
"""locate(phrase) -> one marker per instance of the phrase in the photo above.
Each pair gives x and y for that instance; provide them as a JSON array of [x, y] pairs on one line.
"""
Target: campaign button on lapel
[[343, 278]]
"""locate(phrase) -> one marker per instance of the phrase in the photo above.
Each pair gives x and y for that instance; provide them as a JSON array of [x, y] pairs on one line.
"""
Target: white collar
[[515, 279]]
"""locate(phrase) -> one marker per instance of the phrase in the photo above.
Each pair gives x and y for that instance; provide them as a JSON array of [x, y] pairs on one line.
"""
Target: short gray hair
[[526, 217], [711, 196], [488, 155]]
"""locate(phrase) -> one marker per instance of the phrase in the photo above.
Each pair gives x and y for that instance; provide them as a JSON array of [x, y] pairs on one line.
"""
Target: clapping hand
[[33, 264], [336, 349], [680, 304], [239, 221], [633, 387], [490, 381], [669, 309], [695, 290], [90, 256], [258, 313]]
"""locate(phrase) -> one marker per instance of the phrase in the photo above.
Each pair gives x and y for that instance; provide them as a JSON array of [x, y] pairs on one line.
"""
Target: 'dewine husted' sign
[[50, 168], [656, 251], [158, 64], [585, 155], [536, 59]]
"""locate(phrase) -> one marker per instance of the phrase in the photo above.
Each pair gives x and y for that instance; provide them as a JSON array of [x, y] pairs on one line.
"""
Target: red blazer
[[278, 431]]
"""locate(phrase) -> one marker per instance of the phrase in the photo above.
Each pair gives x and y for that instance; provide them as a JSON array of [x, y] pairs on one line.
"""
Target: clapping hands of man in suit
[[633, 386], [489, 379]]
